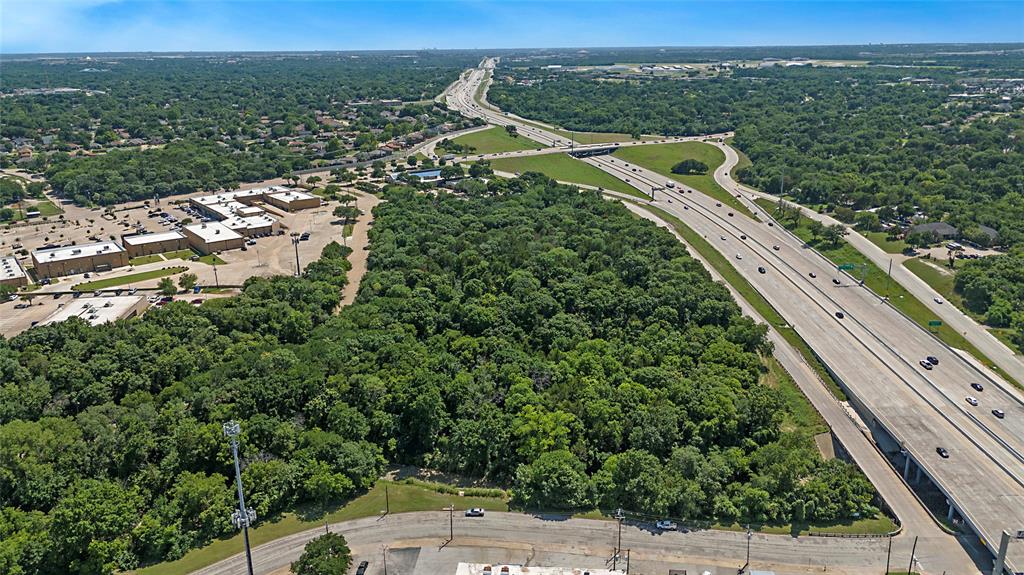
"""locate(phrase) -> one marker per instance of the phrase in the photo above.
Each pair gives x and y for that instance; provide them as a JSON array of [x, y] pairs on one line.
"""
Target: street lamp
[[243, 516], [743, 569], [619, 516], [295, 242]]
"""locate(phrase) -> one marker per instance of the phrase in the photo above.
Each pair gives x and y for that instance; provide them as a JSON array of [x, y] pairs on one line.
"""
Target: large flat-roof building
[[99, 310], [158, 243], [292, 200], [11, 272], [77, 259], [212, 237], [237, 209]]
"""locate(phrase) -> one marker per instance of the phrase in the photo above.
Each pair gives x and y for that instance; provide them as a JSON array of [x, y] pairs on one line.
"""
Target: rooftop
[[140, 239], [503, 569], [291, 195], [95, 310], [10, 268], [74, 252], [213, 232]]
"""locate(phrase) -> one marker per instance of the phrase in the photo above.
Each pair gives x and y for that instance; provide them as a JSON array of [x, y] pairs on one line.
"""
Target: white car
[[972, 400], [153, 299], [475, 512], [739, 257], [666, 525], [938, 300]]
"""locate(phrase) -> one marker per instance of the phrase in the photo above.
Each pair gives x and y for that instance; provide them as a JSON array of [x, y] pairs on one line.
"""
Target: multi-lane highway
[[874, 350]]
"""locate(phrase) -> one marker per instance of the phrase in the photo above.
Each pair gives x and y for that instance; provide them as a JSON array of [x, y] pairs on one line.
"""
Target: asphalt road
[[873, 348]]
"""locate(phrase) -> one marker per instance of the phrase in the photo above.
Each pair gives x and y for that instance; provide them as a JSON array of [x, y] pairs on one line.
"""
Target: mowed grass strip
[[142, 260], [566, 169], [128, 279], [496, 139], [662, 157], [403, 498]]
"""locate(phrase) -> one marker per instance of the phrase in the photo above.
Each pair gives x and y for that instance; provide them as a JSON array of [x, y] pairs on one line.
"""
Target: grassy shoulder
[[402, 497], [753, 297], [129, 279], [881, 239], [142, 260], [496, 139], [566, 169], [877, 525], [662, 157]]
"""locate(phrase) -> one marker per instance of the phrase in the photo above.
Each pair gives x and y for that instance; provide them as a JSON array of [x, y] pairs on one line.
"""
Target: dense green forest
[[994, 287], [532, 335], [852, 137], [178, 168]]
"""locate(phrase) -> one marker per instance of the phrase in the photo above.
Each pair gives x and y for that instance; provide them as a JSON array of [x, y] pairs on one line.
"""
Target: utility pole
[[619, 516], [385, 559], [216, 278], [244, 516], [888, 278], [295, 242], [627, 561], [888, 555], [387, 500], [451, 522], [912, 551]]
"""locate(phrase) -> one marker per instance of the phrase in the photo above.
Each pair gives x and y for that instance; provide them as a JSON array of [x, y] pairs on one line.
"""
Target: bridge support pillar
[[917, 474], [906, 467], [951, 512]]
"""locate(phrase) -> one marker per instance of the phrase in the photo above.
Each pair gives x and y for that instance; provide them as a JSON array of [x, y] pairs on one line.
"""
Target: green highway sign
[[847, 267], [934, 323]]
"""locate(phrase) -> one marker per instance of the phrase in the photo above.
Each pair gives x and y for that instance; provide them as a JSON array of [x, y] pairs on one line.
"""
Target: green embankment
[[662, 157], [402, 497], [881, 239], [494, 140], [567, 169], [143, 260], [128, 279]]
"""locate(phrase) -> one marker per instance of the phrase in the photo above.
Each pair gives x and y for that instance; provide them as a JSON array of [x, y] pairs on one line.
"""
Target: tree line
[[526, 333]]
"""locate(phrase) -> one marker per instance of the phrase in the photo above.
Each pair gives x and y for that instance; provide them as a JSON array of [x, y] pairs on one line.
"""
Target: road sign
[[934, 323], [847, 267]]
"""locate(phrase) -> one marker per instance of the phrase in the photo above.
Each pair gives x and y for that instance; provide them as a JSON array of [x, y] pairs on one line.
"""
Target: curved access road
[[979, 337], [415, 541]]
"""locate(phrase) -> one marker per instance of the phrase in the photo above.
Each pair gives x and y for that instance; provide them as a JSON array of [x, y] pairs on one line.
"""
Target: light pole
[[750, 534], [385, 559], [243, 516], [295, 242], [619, 516], [913, 550], [216, 278]]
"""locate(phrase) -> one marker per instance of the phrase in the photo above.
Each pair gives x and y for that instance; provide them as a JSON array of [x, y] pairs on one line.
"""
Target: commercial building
[[11, 272], [212, 237], [71, 260], [99, 310], [146, 244], [292, 200]]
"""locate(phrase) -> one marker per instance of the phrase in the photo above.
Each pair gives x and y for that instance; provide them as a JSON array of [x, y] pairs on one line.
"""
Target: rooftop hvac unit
[[108, 304], [76, 252]]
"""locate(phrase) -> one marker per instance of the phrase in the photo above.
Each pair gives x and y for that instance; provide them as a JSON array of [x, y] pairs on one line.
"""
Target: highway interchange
[[873, 349]]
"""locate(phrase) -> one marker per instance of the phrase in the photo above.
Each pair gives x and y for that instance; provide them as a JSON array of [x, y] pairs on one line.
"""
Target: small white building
[[11, 272]]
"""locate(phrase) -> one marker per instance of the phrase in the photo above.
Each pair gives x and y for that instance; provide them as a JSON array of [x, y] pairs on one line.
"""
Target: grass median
[[129, 279], [403, 498], [662, 157], [564, 168], [494, 140]]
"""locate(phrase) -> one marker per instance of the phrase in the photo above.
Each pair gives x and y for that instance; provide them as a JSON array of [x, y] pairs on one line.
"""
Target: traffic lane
[[980, 496]]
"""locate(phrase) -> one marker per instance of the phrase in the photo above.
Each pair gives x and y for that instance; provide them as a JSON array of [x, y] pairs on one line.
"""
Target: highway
[[873, 349]]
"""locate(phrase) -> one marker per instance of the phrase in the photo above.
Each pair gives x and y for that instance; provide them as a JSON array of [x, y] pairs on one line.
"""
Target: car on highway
[[812, 275], [771, 225], [998, 413], [942, 452], [938, 300], [22, 306], [836, 281], [743, 237], [971, 400], [761, 269], [739, 257], [776, 248], [730, 214], [924, 363], [363, 566], [932, 360], [666, 525], [977, 387], [719, 204], [840, 315], [723, 238], [475, 512]]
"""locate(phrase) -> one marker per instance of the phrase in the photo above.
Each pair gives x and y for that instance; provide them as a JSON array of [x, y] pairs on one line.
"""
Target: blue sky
[[198, 25]]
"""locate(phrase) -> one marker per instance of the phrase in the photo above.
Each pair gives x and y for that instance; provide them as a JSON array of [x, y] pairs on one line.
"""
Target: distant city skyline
[[53, 26]]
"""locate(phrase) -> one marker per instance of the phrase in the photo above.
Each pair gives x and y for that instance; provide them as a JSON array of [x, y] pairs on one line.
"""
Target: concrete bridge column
[[906, 466], [951, 512], [917, 474]]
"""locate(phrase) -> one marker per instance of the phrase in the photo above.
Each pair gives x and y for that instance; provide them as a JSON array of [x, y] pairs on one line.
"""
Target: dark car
[[932, 360], [942, 452], [730, 214], [835, 281], [812, 274], [998, 413], [776, 248], [361, 570], [761, 269], [771, 225], [977, 387], [743, 237], [840, 315], [719, 204]]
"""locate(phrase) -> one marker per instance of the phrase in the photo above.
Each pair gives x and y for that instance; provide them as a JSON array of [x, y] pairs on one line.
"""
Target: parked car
[[197, 301], [475, 512], [361, 570], [666, 525]]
